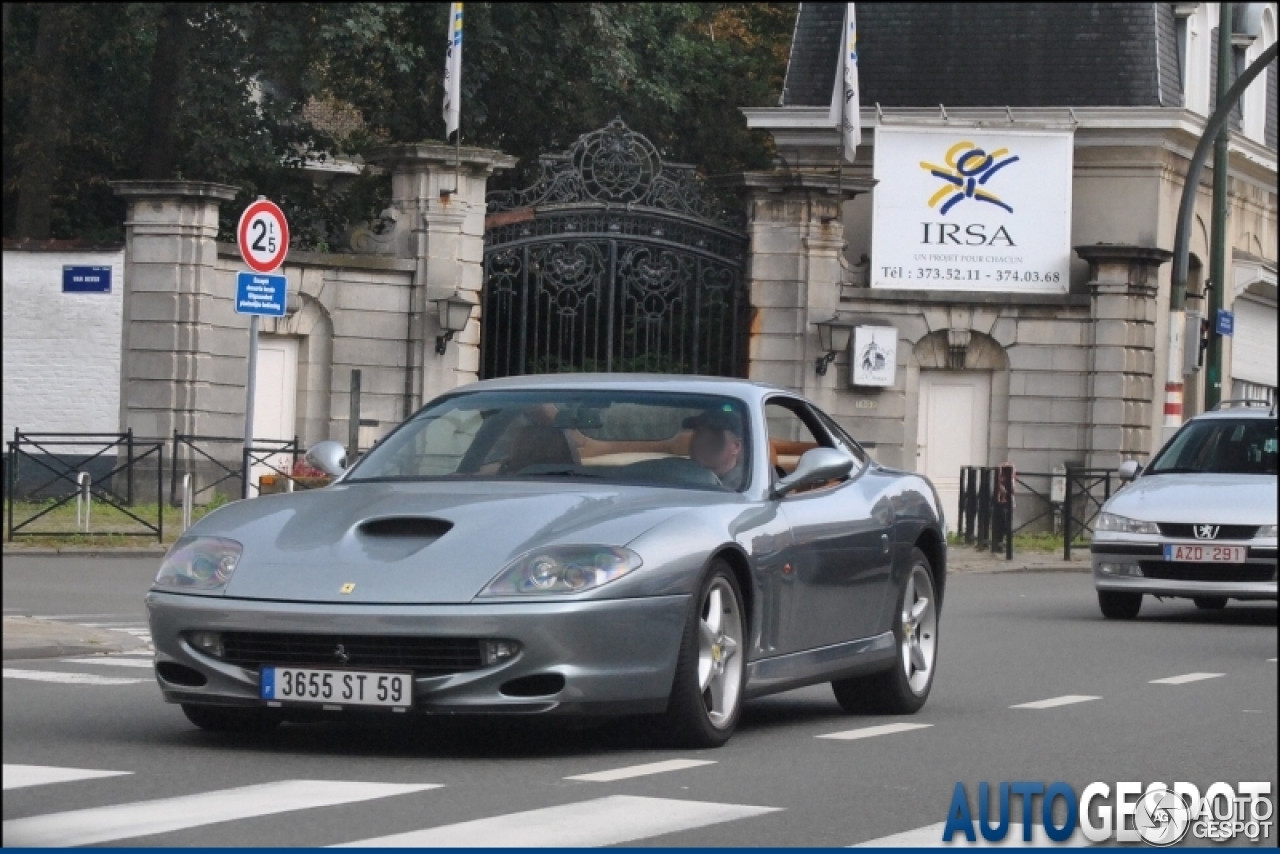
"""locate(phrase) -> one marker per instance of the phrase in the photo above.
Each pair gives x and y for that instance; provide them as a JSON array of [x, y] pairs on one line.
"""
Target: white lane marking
[[1066, 700], [930, 836], [641, 770], [1185, 678], [605, 821], [112, 661], [872, 731], [147, 818], [21, 776], [1272, 660], [69, 678]]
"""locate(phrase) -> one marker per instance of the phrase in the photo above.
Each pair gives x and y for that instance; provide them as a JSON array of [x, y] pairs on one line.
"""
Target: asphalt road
[[1007, 639]]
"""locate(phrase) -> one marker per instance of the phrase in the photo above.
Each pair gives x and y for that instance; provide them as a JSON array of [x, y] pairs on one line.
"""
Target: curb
[[85, 551], [29, 638]]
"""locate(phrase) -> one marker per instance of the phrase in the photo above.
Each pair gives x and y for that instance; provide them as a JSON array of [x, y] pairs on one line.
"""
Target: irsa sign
[[972, 209]]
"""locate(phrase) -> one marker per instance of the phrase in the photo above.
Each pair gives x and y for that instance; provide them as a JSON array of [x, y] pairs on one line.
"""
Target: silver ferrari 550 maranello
[[655, 545]]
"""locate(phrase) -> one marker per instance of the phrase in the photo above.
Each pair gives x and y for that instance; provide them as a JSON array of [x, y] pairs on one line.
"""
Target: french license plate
[[1205, 554], [336, 687]]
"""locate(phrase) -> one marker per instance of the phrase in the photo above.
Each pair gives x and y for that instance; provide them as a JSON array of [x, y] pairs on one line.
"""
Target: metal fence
[[200, 457], [47, 471], [1065, 501]]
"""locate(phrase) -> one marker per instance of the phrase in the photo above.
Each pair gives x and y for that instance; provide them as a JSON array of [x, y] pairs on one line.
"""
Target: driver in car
[[717, 444]]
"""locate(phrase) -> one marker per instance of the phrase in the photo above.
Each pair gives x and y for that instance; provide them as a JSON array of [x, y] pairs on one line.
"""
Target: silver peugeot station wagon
[[1199, 521]]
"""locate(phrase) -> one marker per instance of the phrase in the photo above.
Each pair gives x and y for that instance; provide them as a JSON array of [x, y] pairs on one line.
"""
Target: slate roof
[[998, 54]]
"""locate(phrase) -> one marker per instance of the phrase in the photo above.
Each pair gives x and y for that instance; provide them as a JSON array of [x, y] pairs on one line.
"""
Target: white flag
[[453, 71], [845, 113]]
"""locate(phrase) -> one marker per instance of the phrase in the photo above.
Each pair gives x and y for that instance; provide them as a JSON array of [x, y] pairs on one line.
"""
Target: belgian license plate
[[336, 687], [1205, 554]]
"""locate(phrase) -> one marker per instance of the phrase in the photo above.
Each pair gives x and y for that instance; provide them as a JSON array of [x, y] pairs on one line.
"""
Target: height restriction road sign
[[263, 235]]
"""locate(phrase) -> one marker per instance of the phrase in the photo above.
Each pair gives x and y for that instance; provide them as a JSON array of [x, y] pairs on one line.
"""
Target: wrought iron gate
[[613, 261]]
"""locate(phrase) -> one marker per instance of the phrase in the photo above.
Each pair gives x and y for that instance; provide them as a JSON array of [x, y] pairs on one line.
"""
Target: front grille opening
[[1229, 572], [538, 685], [424, 656], [1224, 532], [180, 674]]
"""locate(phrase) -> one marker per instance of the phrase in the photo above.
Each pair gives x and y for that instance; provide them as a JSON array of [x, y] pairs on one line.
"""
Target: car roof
[[1262, 409], [749, 389]]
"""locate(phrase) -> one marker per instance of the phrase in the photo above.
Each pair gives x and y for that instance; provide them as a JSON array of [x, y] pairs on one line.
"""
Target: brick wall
[[61, 351]]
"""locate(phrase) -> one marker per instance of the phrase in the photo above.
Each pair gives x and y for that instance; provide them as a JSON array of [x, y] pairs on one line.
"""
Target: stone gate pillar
[[438, 193], [794, 272], [173, 375], [1123, 282]]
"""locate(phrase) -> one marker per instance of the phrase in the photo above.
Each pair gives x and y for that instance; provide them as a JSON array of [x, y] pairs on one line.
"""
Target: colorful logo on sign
[[968, 169]]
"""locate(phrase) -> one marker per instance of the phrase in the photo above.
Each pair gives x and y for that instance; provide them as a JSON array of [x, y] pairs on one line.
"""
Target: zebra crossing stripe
[[166, 815], [873, 731], [68, 678], [930, 836], [641, 770], [21, 776], [604, 821], [112, 661]]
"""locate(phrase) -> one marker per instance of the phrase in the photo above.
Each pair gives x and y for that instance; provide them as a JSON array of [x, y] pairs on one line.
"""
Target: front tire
[[904, 688], [1119, 606], [706, 694], [230, 719], [1210, 603]]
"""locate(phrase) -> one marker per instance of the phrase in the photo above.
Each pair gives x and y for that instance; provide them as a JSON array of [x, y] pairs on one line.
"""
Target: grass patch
[[46, 523], [1024, 542]]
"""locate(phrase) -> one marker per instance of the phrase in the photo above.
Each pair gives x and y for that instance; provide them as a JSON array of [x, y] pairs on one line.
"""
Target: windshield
[[649, 438], [1219, 445]]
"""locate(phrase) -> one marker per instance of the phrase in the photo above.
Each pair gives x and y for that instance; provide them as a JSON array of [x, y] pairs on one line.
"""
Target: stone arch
[[960, 349], [313, 327]]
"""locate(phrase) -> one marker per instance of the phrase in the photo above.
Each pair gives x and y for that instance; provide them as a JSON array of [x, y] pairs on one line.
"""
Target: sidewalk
[[25, 637], [967, 559]]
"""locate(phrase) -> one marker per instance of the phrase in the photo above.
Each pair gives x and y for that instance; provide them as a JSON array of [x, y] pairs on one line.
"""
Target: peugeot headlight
[[1266, 531], [199, 564], [1124, 525], [562, 569]]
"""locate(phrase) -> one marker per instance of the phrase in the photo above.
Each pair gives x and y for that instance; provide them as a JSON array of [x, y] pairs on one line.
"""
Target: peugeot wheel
[[1119, 606], [706, 695], [904, 688]]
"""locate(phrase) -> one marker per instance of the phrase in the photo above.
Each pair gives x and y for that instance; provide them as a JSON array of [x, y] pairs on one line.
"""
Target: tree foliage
[[245, 94]]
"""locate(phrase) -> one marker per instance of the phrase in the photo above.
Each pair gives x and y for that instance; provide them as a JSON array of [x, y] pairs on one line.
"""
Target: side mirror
[[815, 466], [1129, 469], [328, 456]]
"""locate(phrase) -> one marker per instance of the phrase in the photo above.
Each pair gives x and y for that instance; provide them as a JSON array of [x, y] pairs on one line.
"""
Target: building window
[[1197, 73], [1245, 390], [1254, 102]]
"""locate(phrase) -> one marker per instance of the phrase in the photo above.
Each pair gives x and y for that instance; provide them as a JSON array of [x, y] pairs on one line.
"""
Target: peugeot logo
[[1205, 532], [341, 654]]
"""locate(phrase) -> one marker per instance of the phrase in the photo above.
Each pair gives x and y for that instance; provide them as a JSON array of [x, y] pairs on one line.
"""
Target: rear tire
[[230, 719], [706, 694], [904, 688], [1210, 603], [1119, 606]]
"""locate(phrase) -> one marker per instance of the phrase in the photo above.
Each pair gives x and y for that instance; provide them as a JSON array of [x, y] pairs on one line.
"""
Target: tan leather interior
[[786, 453], [595, 452]]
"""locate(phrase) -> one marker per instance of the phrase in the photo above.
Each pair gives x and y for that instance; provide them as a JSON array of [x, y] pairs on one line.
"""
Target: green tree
[[226, 91]]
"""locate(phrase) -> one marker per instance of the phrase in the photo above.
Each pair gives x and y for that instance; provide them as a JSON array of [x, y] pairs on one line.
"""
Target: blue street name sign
[[86, 280], [1226, 322], [261, 294]]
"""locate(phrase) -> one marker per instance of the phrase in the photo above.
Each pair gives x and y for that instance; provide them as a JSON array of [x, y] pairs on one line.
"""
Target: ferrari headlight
[[1124, 525], [199, 563], [562, 569]]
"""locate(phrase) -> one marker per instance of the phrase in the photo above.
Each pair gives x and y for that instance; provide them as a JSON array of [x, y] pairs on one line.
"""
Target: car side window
[[791, 433], [844, 441]]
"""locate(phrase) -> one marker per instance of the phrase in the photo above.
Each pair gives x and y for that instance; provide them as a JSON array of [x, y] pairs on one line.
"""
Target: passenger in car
[[538, 444]]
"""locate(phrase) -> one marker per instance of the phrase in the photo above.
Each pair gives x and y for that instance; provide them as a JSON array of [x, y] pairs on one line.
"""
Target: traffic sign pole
[[248, 404], [263, 237]]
